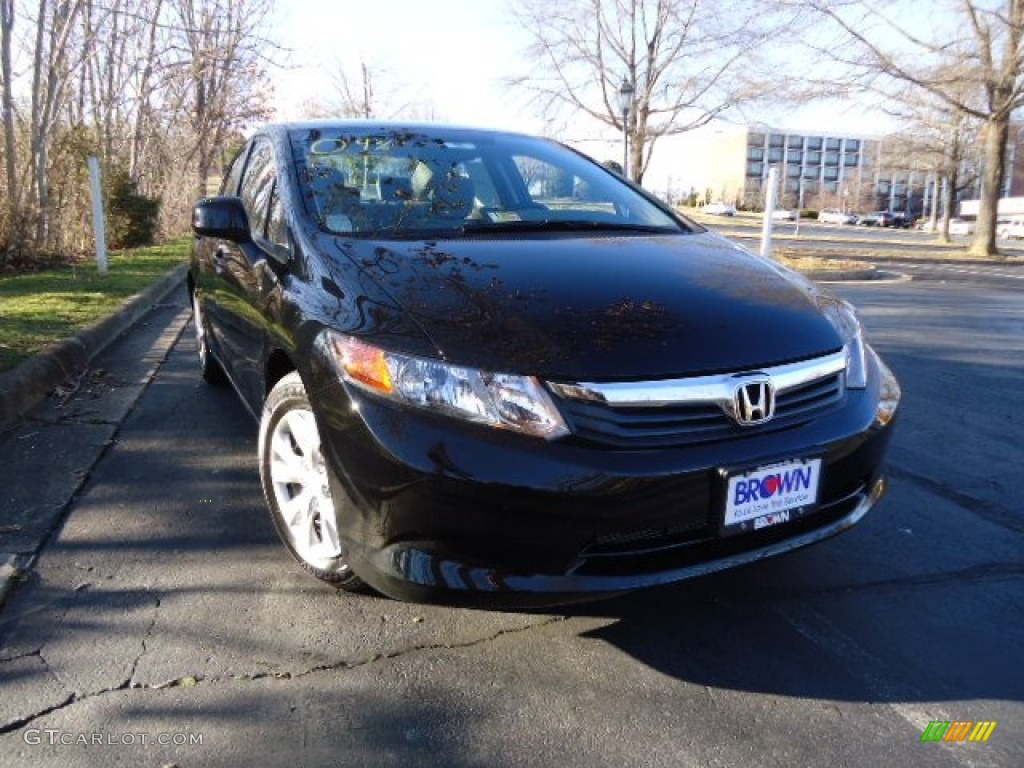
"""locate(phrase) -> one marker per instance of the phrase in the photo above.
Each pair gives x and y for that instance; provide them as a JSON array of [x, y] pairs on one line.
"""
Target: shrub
[[613, 166], [131, 217]]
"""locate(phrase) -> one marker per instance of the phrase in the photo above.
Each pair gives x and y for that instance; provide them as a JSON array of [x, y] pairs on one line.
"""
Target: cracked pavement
[[161, 602]]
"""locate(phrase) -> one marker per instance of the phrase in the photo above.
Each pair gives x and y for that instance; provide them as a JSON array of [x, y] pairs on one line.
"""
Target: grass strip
[[38, 309]]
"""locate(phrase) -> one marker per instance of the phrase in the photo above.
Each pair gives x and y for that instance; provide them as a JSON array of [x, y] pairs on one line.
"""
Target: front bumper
[[433, 509]]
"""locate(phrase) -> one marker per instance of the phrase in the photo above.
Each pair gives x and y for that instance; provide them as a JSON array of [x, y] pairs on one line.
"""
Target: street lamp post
[[626, 92]]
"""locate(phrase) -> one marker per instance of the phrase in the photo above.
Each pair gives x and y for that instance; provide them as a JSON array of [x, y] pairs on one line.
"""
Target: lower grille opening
[[702, 545]]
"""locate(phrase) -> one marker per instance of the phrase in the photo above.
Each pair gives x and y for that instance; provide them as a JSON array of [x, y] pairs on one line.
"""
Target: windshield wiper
[[562, 225]]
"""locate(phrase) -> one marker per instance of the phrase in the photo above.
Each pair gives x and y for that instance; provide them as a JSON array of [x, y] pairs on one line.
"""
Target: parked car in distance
[[784, 214], [719, 208], [961, 227], [902, 220], [956, 226], [486, 369], [835, 216], [1012, 228], [876, 219]]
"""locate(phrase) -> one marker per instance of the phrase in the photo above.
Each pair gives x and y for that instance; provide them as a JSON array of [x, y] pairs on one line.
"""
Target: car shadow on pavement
[[814, 625]]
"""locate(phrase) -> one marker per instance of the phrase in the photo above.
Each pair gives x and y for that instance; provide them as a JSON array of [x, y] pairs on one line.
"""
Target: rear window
[[399, 183]]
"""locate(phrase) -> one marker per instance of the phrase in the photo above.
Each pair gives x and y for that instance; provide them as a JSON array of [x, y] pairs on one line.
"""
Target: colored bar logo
[[958, 730]]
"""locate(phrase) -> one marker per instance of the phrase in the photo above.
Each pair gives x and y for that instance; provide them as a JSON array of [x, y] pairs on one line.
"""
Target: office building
[[815, 170]]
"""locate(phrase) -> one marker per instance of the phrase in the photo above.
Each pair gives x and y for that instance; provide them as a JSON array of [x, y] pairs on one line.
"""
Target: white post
[[799, 204], [98, 227], [769, 209]]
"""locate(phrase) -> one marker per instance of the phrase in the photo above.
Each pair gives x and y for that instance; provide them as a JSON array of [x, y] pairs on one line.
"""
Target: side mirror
[[222, 217]]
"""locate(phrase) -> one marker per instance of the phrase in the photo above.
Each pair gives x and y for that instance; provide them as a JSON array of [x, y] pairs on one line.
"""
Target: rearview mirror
[[222, 217]]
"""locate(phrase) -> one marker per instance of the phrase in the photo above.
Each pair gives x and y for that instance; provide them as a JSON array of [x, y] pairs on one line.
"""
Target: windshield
[[383, 182]]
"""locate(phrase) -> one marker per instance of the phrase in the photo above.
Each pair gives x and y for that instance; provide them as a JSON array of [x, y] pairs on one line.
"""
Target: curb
[[878, 277], [841, 275], [12, 568], [26, 385]]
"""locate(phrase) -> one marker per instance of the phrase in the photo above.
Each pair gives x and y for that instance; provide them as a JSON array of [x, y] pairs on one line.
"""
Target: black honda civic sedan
[[487, 368]]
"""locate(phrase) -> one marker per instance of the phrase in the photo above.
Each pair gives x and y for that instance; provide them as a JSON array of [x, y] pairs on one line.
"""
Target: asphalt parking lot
[[163, 608]]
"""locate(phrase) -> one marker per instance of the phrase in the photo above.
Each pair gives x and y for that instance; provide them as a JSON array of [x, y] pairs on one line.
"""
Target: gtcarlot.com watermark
[[55, 737]]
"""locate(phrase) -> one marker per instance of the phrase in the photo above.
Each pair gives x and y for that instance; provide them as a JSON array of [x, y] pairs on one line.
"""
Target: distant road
[[849, 238]]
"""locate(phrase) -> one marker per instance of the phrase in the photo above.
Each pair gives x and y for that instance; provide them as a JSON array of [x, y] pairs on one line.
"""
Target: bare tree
[[357, 98], [967, 54], [10, 147], [142, 117], [370, 91], [938, 140], [159, 89], [685, 59], [54, 63], [222, 81]]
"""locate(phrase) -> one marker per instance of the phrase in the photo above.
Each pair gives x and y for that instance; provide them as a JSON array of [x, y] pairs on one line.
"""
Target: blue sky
[[453, 54], [449, 55], [452, 57]]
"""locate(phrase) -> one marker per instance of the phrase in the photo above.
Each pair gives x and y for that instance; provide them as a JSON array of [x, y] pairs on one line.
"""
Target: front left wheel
[[296, 485]]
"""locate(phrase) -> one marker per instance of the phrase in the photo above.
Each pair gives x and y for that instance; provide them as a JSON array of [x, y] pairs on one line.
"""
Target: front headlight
[[843, 317], [888, 392], [500, 400]]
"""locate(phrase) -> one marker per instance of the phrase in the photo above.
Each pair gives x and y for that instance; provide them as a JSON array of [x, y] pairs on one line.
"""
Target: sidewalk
[[49, 448]]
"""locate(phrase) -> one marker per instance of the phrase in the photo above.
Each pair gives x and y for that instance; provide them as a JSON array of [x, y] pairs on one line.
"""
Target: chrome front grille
[[699, 409]]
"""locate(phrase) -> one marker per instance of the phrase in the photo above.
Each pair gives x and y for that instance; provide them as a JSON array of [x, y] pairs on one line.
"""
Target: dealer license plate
[[770, 495]]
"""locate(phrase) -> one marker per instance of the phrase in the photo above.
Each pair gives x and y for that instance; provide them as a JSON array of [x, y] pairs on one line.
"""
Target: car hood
[[600, 308]]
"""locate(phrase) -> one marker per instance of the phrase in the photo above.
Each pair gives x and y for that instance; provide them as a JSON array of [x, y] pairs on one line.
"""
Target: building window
[[776, 140], [755, 153], [810, 173], [793, 171], [810, 187], [814, 142], [795, 156], [755, 140], [755, 169], [852, 145], [831, 143], [814, 158], [831, 174], [831, 158], [774, 155], [849, 160], [791, 186], [830, 186], [795, 142]]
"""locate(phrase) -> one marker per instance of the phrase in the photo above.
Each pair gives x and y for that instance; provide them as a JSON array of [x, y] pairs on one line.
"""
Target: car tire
[[209, 368], [295, 482]]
